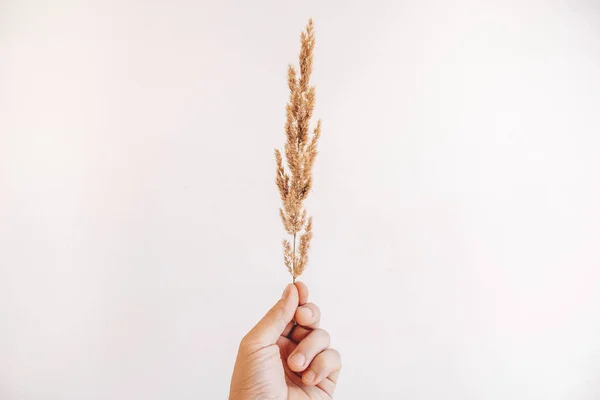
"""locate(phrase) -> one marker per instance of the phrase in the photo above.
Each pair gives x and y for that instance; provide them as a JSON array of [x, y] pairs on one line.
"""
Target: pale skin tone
[[286, 355]]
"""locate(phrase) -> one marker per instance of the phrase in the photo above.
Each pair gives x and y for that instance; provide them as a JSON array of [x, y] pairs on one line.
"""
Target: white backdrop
[[456, 199]]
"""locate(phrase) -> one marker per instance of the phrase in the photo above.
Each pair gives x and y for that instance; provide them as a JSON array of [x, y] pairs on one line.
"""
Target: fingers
[[268, 329], [298, 333], [325, 364], [335, 376], [302, 292], [312, 355], [314, 343], [308, 316]]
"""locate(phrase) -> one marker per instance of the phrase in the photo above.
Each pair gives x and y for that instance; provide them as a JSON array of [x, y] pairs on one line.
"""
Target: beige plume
[[295, 181]]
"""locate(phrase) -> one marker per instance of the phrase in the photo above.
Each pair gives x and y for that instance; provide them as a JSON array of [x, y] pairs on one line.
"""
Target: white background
[[457, 195]]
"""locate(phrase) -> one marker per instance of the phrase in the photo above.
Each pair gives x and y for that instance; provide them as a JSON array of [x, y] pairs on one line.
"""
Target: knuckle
[[337, 356], [246, 342], [335, 353], [246, 339], [322, 335]]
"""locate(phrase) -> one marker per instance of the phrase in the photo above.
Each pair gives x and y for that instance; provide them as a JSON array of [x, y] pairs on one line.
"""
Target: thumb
[[268, 329]]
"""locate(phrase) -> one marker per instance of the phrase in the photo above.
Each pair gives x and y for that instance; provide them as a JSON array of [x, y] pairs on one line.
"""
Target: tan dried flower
[[300, 152]]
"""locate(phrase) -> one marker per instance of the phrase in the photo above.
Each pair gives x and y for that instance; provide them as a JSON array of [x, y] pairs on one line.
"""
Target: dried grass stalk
[[295, 182]]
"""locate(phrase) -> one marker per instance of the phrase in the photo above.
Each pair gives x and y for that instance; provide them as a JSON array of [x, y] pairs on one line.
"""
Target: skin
[[280, 360]]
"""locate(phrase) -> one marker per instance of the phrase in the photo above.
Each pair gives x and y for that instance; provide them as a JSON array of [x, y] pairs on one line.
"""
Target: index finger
[[302, 292]]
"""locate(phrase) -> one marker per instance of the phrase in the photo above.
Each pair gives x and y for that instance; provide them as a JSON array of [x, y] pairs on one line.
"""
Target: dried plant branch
[[288, 255], [300, 152]]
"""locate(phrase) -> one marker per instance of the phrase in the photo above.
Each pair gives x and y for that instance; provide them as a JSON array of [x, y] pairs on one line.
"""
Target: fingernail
[[309, 376], [305, 311], [286, 292], [298, 359]]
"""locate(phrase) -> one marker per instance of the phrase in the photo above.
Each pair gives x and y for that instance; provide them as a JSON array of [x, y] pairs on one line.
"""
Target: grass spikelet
[[300, 149]]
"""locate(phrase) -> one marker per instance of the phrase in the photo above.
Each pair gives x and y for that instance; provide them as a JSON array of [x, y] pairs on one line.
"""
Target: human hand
[[280, 360]]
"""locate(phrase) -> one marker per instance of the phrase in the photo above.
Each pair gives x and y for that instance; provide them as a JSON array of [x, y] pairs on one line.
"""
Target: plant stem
[[294, 261]]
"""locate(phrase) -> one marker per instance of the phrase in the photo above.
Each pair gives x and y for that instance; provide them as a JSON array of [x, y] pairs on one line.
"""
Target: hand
[[280, 360]]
